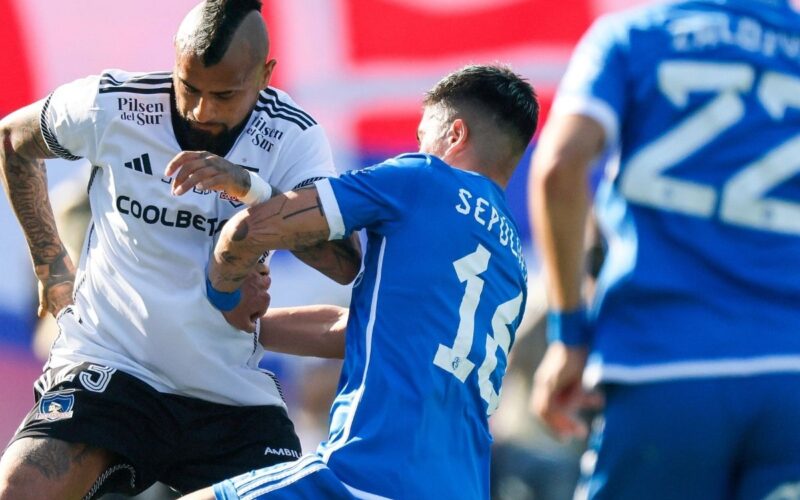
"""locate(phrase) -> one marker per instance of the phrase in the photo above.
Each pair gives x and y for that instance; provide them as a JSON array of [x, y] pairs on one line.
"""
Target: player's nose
[[204, 110]]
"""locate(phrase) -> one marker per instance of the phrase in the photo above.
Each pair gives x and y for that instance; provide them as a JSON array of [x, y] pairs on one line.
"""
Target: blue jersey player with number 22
[[693, 331], [434, 312]]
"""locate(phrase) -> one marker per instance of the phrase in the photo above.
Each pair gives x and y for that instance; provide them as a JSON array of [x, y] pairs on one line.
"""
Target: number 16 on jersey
[[454, 359]]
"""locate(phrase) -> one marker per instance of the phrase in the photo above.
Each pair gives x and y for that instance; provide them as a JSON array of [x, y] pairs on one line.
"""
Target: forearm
[[235, 255], [317, 331], [560, 204], [24, 178], [559, 222], [339, 260], [292, 221]]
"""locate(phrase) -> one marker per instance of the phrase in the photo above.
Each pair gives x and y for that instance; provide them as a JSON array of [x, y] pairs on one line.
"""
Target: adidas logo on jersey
[[283, 452], [140, 164]]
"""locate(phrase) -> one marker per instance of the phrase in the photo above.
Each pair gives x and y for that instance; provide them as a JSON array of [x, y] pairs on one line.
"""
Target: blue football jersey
[[701, 102], [432, 318]]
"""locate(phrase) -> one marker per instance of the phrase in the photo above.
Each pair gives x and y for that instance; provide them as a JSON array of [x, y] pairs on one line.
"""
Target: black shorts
[[183, 442]]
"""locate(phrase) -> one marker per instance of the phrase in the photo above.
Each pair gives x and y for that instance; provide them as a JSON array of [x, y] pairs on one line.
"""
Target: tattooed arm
[[25, 180], [339, 260], [292, 220]]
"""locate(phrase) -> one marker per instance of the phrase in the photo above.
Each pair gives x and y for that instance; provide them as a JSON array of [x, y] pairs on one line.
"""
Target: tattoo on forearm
[[56, 272], [25, 181], [308, 242], [332, 258], [304, 210]]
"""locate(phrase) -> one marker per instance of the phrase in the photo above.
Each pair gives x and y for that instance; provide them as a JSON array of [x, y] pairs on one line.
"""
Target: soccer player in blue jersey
[[434, 311], [692, 333]]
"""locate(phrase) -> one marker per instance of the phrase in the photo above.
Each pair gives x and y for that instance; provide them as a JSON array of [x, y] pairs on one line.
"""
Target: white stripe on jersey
[[596, 373], [370, 326], [251, 486], [331, 208]]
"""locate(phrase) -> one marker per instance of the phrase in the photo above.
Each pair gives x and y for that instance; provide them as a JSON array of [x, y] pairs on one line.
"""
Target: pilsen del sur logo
[[143, 113]]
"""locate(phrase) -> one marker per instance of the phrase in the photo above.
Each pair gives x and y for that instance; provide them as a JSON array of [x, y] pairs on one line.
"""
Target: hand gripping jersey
[[702, 207], [140, 303], [432, 318]]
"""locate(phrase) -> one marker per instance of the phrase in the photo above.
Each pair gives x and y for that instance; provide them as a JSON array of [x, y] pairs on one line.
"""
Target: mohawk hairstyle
[[496, 91], [218, 22]]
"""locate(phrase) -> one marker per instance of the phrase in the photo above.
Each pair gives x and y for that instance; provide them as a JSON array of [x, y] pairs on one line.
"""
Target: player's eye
[[189, 89], [223, 95]]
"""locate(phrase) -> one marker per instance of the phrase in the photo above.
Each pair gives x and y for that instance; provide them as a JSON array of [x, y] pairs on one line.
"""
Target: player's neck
[[492, 172]]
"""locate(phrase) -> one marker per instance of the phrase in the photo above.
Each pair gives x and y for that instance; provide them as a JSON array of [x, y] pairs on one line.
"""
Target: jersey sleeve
[[595, 80], [69, 117], [375, 198], [307, 158]]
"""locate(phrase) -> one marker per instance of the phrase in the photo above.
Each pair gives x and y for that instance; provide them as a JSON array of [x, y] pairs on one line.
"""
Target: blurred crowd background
[[360, 68]]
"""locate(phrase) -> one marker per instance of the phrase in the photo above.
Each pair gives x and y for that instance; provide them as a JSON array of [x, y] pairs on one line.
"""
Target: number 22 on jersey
[[743, 201], [454, 359]]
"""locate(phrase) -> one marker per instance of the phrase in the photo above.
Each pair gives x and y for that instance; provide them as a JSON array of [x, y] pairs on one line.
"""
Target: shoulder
[[407, 169], [414, 161], [277, 106], [118, 81]]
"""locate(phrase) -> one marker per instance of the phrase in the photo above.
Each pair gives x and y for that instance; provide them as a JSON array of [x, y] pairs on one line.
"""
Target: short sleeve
[[307, 158], [69, 117], [376, 198], [595, 80]]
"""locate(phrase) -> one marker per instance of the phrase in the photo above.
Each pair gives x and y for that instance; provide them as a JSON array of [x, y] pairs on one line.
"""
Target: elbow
[[348, 274], [344, 274], [351, 250]]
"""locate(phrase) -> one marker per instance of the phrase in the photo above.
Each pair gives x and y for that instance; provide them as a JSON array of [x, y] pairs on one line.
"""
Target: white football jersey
[[140, 301]]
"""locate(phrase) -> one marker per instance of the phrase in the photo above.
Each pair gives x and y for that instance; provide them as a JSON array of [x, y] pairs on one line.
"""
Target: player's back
[[704, 210], [431, 322]]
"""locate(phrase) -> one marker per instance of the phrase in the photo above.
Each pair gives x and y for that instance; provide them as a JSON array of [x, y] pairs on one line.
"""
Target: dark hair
[[495, 90], [218, 22]]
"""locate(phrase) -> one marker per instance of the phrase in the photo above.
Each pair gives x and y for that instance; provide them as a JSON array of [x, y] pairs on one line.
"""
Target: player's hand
[[254, 302], [56, 281], [558, 395], [205, 170]]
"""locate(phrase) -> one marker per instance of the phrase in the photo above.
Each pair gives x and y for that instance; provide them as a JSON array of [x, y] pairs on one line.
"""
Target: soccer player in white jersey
[[692, 335], [146, 380], [434, 313]]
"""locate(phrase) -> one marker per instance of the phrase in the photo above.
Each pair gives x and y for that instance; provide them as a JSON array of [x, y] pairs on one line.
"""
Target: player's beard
[[194, 139]]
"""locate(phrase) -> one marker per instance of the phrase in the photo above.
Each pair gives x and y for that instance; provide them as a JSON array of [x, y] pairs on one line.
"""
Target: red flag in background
[[16, 86], [427, 30], [362, 66]]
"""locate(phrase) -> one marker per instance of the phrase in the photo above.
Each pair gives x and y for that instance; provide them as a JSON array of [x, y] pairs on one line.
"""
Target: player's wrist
[[224, 301], [568, 327], [259, 191]]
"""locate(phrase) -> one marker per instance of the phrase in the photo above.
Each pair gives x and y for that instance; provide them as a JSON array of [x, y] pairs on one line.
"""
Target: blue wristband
[[224, 301], [569, 327]]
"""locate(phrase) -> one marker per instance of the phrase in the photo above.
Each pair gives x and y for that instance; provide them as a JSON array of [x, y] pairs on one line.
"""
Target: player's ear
[[457, 135], [269, 67]]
